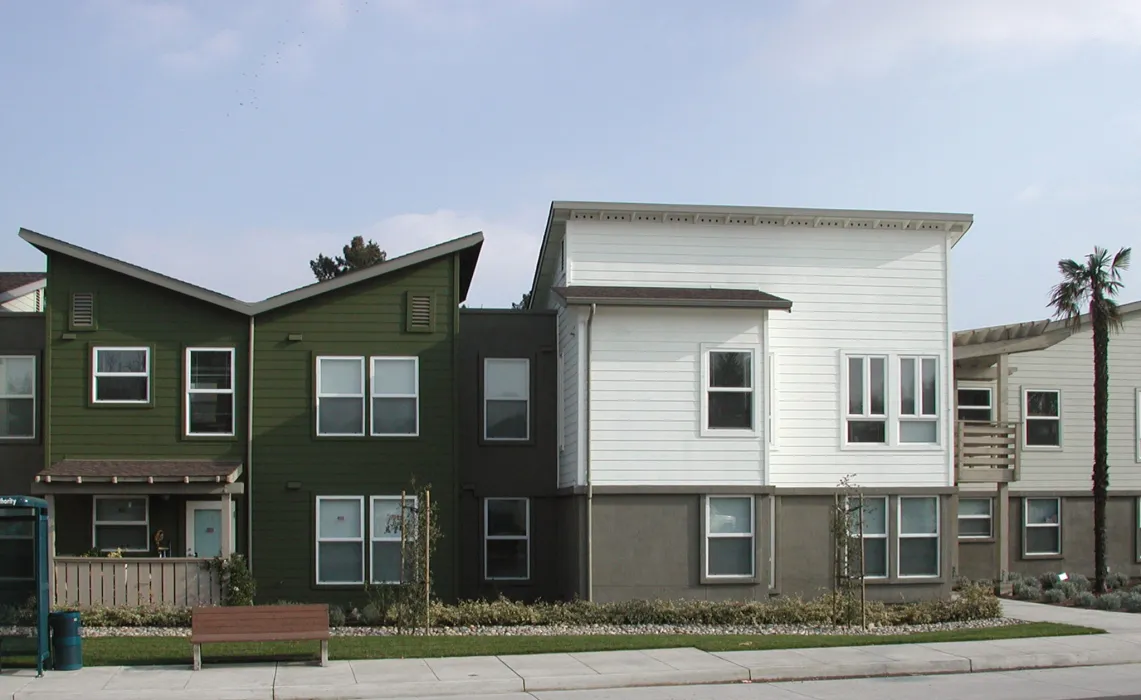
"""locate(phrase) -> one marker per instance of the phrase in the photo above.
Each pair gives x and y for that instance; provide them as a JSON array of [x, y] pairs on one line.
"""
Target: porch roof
[[672, 296], [140, 471]]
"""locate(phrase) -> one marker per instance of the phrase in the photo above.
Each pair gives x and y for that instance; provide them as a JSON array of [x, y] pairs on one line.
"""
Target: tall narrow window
[[918, 400], [340, 396], [16, 549], [121, 524], [1042, 417], [730, 537], [870, 520], [121, 375], [918, 536], [340, 539], [506, 399], [395, 396], [1042, 526], [388, 522], [729, 391], [975, 518], [975, 404], [210, 391], [17, 397], [507, 539], [866, 399]]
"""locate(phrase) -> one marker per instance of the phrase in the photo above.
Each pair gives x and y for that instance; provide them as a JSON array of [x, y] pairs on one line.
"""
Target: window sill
[[507, 580], [730, 580], [729, 433], [101, 405], [1041, 448], [906, 581], [18, 438], [976, 540], [395, 436], [209, 438], [1042, 557], [506, 442]]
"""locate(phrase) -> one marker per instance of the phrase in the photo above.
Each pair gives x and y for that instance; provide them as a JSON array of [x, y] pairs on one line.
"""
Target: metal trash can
[[67, 645]]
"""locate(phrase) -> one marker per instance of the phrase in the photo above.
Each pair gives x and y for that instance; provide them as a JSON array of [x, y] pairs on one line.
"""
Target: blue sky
[[227, 143]]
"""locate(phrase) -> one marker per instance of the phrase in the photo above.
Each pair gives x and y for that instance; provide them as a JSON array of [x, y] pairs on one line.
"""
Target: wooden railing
[[92, 581], [987, 451]]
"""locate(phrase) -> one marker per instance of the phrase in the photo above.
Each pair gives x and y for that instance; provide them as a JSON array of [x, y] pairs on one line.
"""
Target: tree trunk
[[1100, 441]]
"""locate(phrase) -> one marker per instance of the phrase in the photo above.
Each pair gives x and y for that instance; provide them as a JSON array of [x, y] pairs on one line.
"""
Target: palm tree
[[1094, 285]]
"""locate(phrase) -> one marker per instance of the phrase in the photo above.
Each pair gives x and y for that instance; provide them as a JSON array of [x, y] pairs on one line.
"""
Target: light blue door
[[207, 532]]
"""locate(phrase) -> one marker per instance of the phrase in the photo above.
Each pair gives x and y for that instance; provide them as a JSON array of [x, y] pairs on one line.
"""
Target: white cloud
[[258, 264], [828, 38], [214, 50]]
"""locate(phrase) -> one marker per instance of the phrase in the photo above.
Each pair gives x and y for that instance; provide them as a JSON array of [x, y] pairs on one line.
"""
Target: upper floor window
[[918, 400], [210, 391], [17, 396], [121, 375], [395, 396], [506, 399], [975, 404], [729, 390], [1042, 417], [340, 396], [866, 401]]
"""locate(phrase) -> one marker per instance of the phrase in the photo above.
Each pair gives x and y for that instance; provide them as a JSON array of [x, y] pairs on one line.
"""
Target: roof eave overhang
[[17, 292], [686, 303]]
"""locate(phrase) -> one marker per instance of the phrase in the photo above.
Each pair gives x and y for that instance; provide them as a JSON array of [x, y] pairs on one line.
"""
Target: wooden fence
[[91, 581]]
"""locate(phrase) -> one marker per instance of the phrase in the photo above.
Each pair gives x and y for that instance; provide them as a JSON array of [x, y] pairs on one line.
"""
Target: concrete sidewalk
[[538, 672], [1112, 622]]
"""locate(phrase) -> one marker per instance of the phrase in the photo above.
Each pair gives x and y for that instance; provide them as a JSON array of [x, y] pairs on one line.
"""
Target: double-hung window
[[16, 549], [507, 539], [975, 518], [975, 404], [730, 536], [866, 403], [506, 398], [730, 390], [395, 396], [869, 521], [121, 375], [918, 536], [1042, 526], [918, 400], [1042, 417], [340, 539], [210, 391], [121, 523], [340, 396], [17, 396], [389, 519]]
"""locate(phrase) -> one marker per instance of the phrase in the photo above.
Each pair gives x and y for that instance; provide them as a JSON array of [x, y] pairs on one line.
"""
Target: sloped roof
[[141, 470], [1022, 337], [467, 247], [672, 296], [14, 280]]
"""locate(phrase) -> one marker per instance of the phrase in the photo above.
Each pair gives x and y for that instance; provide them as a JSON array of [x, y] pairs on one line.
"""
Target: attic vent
[[420, 316], [587, 215], [832, 223], [679, 218], [647, 217], [860, 224], [740, 219], [610, 216], [890, 224], [931, 227], [770, 222], [82, 311], [707, 219]]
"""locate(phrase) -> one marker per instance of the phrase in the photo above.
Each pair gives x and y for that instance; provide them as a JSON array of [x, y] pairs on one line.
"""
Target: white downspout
[[250, 450], [589, 484]]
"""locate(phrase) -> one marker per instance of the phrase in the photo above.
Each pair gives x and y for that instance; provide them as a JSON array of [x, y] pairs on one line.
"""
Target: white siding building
[[22, 291]]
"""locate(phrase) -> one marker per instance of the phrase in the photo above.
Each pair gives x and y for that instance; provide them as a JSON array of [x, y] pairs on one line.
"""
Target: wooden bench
[[259, 623]]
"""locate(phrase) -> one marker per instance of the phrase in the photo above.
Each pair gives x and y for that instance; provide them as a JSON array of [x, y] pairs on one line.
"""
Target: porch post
[[1002, 502], [227, 525], [50, 498]]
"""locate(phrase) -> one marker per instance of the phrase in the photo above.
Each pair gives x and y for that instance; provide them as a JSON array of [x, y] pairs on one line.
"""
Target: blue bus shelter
[[24, 562]]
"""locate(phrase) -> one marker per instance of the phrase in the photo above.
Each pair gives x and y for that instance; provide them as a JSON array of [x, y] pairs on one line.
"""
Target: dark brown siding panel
[[23, 334]]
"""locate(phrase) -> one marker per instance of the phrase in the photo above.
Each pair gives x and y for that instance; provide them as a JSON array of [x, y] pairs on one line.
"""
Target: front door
[[204, 529]]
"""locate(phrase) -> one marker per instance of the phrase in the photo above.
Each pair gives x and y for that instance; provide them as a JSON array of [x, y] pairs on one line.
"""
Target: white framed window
[[918, 400], [507, 539], [506, 398], [870, 521], [976, 518], [865, 399], [729, 388], [730, 537], [918, 536], [121, 375], [340, 396], [395, 383], [210, 391], [16, 549], [340, 540], [388, 522], [1041, 526], [975, 404], [1042, 418], [121, 523], [17, 396]]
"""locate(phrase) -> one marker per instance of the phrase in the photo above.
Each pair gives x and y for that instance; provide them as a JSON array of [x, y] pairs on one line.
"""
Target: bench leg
[[324, 652], [197, 657]]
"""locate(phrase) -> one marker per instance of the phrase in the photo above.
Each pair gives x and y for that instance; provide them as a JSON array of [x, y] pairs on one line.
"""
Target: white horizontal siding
[[568, 347], [27, 302], [1068, 367], [646, 394], [852, 290]]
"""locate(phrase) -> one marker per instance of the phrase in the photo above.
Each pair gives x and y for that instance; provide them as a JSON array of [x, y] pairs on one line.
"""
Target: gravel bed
[[571, 630]]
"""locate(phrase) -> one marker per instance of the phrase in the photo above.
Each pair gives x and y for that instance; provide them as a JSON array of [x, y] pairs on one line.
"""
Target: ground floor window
[[389, 517], [507, 539], [121, 523], [975, 518], [869, 522], [16, 550], [340, 539], [1042, 526], [918, 536], [730, 537]]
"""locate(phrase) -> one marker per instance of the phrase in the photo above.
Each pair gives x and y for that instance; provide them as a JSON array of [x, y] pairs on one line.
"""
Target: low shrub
[[1027, 589], [1132, 602], [1084, 599], [1081, 582], [1048, 580], [337, 616], [1054, 596], [1069, 589], [1116, 581], [137, 616], [1109, 601]]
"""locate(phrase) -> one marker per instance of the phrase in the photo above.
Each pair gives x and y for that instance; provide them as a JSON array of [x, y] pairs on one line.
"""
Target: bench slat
[[259, 637], [259, 623]]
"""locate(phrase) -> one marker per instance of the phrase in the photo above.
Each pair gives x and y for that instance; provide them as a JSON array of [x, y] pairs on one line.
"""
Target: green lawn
[[107, 651]]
